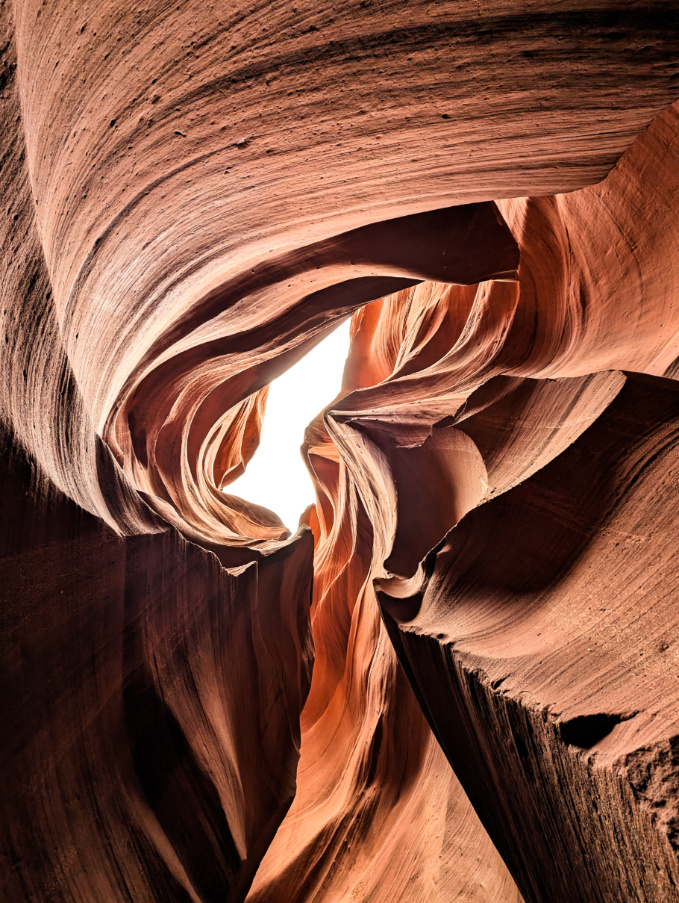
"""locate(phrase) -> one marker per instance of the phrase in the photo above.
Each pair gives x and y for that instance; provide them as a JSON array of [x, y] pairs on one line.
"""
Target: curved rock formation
[[457, 680]]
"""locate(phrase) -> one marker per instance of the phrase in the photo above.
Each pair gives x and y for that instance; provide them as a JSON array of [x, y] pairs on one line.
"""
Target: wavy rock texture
[[199, 707]]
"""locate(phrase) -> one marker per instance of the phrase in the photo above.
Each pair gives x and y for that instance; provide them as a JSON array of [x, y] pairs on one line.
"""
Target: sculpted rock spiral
[[458, 679]]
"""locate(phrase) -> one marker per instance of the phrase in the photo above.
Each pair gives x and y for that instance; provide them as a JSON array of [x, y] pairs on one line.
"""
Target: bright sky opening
[[276, 477]]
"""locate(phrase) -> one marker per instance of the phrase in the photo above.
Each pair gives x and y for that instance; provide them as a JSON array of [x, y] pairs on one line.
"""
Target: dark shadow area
[[586, 731]]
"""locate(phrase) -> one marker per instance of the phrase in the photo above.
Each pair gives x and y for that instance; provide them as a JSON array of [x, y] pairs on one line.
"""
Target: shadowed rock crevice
[[533, 781], [169, 775], [586, 731]]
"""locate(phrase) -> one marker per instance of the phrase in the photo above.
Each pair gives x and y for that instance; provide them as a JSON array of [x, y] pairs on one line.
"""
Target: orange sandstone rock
[[193, 195]]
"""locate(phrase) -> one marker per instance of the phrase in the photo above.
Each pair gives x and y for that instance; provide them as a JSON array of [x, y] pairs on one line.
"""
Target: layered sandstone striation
[[459, 680]]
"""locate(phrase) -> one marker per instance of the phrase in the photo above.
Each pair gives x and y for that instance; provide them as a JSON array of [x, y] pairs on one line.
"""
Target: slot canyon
[[458, 680]]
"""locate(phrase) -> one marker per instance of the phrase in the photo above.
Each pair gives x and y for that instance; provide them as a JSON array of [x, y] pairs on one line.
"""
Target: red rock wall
[[193, 195]]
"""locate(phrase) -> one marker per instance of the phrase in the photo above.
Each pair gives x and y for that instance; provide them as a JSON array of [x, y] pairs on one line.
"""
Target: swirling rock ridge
[[459, 679]]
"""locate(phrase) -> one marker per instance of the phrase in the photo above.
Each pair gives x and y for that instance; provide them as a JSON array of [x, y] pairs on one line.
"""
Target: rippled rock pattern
[[459, 680]]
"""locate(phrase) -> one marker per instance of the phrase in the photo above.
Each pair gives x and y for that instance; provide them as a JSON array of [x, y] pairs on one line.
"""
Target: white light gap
[[276, 477]]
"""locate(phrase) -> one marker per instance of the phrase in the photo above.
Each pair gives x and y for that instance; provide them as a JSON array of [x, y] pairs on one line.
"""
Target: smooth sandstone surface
[[459, 680]]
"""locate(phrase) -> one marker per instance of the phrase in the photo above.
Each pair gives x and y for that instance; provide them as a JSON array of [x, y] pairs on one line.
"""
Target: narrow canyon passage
[[276, 477], [458, 679]]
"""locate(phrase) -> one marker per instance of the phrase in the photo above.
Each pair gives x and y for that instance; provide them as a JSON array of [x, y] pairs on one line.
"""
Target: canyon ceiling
[[459, 680]]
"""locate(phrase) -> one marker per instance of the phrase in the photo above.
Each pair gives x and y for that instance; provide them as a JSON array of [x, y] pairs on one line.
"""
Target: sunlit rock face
[[459, 680]]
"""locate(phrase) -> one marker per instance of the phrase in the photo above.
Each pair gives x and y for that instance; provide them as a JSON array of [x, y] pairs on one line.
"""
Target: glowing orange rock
[[193, 195]]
